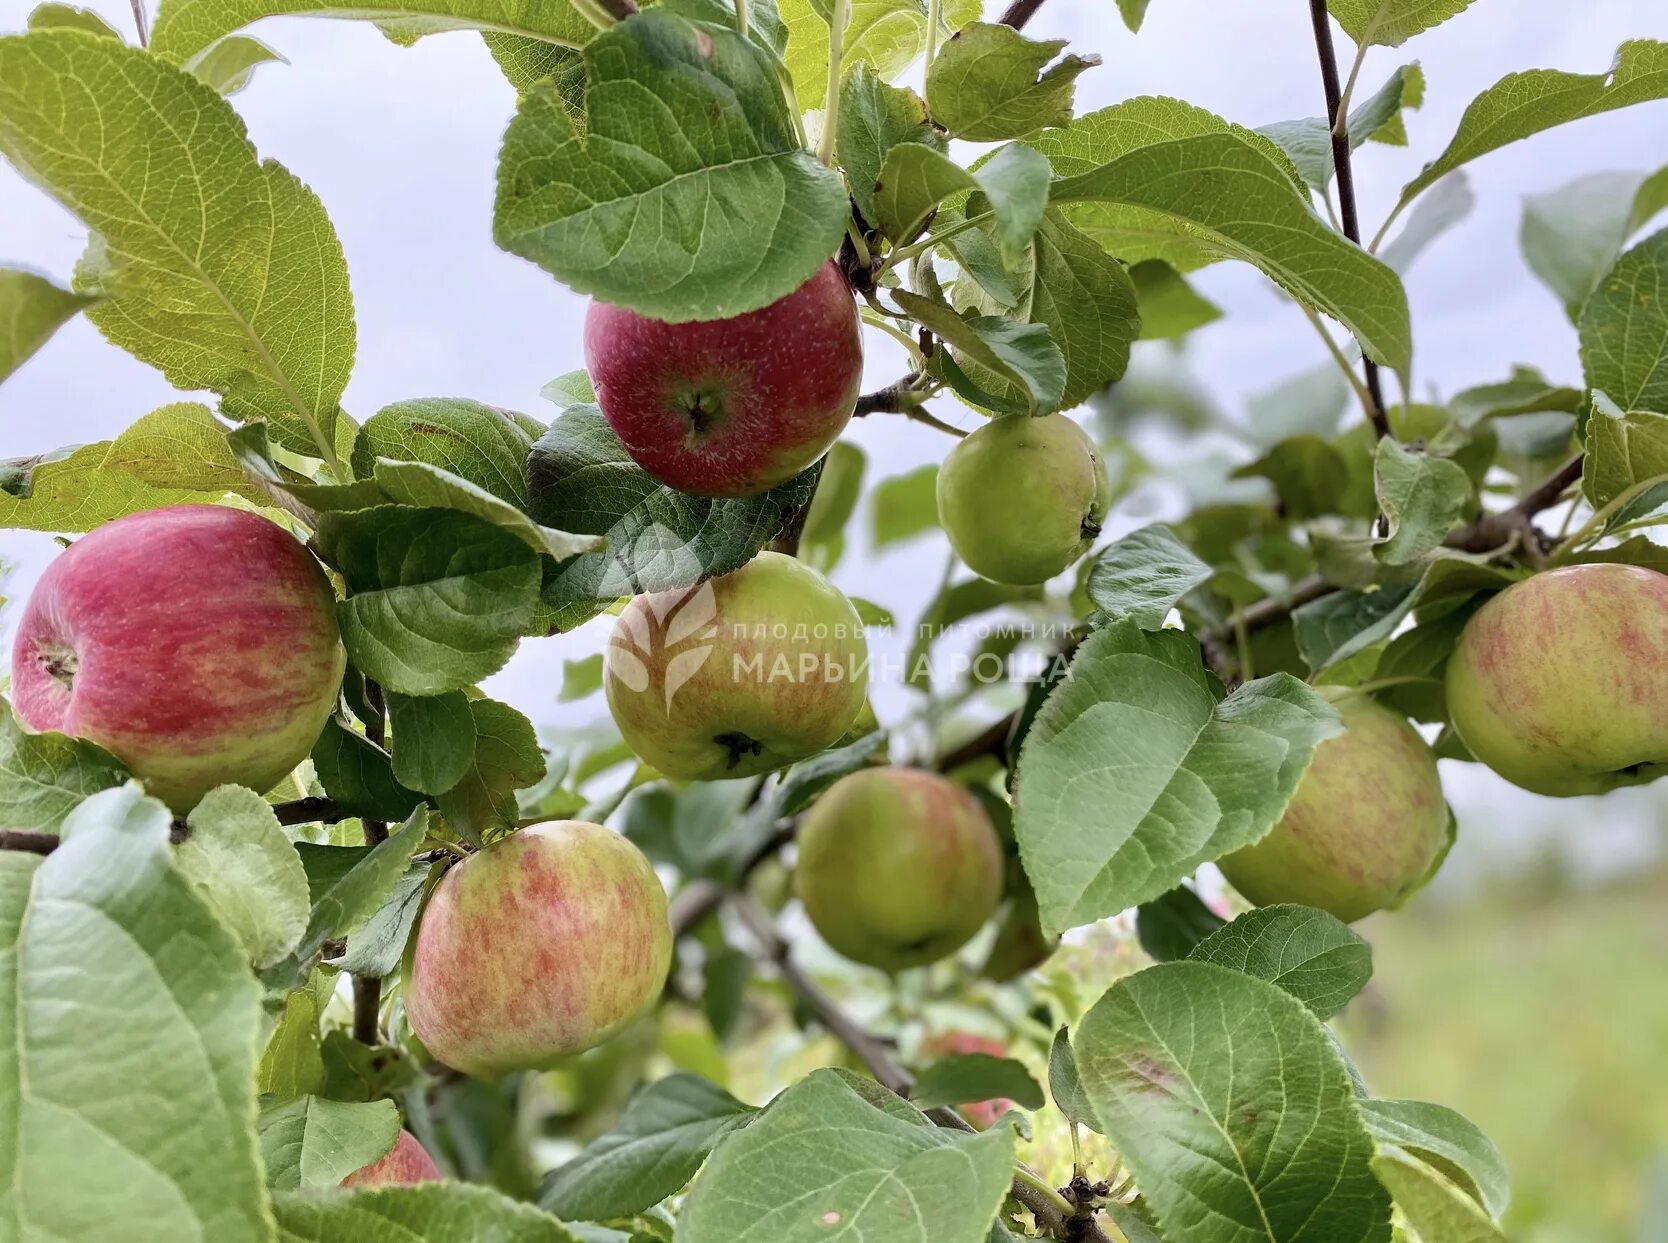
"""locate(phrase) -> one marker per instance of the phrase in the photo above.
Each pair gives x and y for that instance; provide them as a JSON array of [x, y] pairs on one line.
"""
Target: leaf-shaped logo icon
[[682, 667], [624, 664]]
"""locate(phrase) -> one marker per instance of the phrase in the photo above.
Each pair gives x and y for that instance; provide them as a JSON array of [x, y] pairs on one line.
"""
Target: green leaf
[[32, 308], [916, 177], [1169, 307], [220, 270], [185, 27], [1444, 206], [44, 776], [1065, 1085], [1624, 326], [1134, 233], [1231, 1105], [1431, 1202], [1310, 954], [904, 506], [1309, 141], [1172, 925], [1134, 12], [433, 1212], [1138, 772], [1623, 450], [655, 1148], [246, 870], [130, 1019], [1447, 1140], [226, 66], [1344, 623], [312, 1142], [423, 486], [1309, 403], [359, 775], [887, 35], [1421, 496], [526, 61], [1144, 575], [375, 950], [968, 1077], [342, 904], [989, 82], [438, 599], [823, 540], [1391, 23], [173, 454], [53, 16], [572, 388], [580, 678], [1083, 296], [580, 478], [1223, 193], [507, 758], [679, 117], [481, 444], [1309, 474], [291, 1065], [874, 118], [1023, 355], [1573, 235], [833, 1160], [434, 740], [1524, 104]]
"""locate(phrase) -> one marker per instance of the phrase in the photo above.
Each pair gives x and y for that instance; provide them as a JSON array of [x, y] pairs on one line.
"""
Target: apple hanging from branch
[[197, 644]]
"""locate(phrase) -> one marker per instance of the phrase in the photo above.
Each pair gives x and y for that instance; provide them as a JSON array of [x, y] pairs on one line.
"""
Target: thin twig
[[367, 990], [311, 811], [619, 9], [1339, 122], [1019, 12], [141, 23], [28, 842], [877, 1058]]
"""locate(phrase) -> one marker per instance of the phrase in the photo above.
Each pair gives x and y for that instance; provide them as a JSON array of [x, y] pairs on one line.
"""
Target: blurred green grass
[[1544, 1018]]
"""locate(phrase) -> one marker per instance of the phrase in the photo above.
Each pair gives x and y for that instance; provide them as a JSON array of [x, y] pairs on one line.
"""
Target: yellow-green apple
[[739, 675], [982, 1114], [198, 644], [1560, 682], [730, 407], [545, 943], [898, 867], [1366, 826], [1022, 498], [405, 1162]]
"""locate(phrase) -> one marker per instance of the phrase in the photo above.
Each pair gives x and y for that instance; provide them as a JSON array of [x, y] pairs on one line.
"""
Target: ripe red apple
[[730, 407], [545, 943], [982, 1114], [739, 675], [405, 1162], [1560, 682], [898, 867], [197, 644], [1365, 827]]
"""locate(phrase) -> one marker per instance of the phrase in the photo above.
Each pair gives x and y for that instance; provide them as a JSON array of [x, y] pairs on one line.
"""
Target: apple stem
[[28, 842], [367, 990], [933, 19], [741, 18], [831, 100]]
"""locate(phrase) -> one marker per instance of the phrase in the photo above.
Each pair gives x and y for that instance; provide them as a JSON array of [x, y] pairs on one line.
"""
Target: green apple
[[898, 867], [1560, 682], [1020, 943], [739, 675], [1022, 498], [544, 944], [1366, 827]]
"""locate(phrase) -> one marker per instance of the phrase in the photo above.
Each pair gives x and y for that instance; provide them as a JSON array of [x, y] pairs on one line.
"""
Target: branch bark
[[877, 1058], [367, 990], [28, 841], [1345, 172], [1019, 12], [311, 811]]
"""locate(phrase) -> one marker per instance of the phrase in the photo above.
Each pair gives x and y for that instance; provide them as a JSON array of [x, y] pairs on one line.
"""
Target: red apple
[[730, 407], [198, 644], [546, 943], [406, 1162], [982, 1114]]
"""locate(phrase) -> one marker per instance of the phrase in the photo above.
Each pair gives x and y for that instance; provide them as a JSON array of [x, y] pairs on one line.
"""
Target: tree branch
[[1019, 12], [140, 23], [367, 990], [28, 842], [619, 10], [311, 811], [877, 1058], [1339, 123]]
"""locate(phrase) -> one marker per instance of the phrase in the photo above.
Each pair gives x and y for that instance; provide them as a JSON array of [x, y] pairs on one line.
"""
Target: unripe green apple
[[543, 944], [1366, 826], [739, 675], [1022, 498], [405, 1162], [898, 867], [1560, 682]]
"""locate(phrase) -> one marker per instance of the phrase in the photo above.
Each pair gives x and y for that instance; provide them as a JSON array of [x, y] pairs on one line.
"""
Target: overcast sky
[[401, 145]]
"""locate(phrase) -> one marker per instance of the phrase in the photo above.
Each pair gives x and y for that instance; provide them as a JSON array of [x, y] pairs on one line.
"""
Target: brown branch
[[992, 740], [877, 1058], [1019, 12], [311, 811], [1346, 184], [140, 23], [28, 842], [367, 990], [619, 10]]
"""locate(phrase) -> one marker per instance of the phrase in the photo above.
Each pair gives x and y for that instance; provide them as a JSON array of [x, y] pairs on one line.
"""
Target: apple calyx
[[738, 744], [704, 408], [60, 662]]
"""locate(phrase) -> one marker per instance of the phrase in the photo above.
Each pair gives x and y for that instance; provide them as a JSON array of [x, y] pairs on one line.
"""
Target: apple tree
[[301, 929]]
